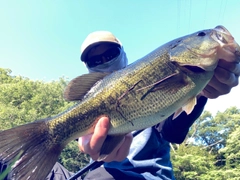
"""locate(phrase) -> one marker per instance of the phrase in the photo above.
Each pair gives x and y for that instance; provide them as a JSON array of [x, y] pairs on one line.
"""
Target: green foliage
[[232, 150], [212, 149], [191, 162], [5, 76], [71, 158], [23, 100], [207, 132]]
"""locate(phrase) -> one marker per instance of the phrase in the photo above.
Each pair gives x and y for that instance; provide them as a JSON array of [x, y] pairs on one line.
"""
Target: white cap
[[96, 38]]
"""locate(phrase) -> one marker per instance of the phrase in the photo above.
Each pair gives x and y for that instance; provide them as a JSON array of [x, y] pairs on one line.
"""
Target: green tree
[[207, 132], [211, 150], [23, 100], [192, 162], [232, 154], [72, 159]]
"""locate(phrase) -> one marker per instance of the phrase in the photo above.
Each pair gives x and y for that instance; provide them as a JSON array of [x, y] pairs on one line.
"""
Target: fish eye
[[201, 34], [219, 36]]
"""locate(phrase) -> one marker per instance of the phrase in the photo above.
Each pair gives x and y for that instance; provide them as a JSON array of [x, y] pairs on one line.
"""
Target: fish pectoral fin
[[79, 86], [109, 145], [177, 113], [188, 107]]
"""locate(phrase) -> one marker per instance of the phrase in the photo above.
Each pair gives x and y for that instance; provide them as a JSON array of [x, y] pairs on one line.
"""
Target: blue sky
[[41, 39]]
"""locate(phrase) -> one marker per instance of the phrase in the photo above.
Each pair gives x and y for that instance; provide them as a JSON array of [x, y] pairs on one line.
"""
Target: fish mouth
[[228, 49]]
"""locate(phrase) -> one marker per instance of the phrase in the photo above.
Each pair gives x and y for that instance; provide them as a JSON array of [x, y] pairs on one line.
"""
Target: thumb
[[83, 141]]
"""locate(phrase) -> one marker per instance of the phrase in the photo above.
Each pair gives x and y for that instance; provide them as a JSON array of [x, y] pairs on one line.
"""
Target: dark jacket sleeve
[[175, 131]]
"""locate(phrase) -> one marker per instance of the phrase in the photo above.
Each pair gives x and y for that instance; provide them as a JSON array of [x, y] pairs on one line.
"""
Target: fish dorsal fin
[[79, 86], [188, 107]]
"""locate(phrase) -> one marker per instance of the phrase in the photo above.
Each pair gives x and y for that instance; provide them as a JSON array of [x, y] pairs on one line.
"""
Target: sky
[[41, 40]]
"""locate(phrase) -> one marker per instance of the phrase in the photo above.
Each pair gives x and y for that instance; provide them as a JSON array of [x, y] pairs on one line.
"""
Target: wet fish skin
[[139, 96]]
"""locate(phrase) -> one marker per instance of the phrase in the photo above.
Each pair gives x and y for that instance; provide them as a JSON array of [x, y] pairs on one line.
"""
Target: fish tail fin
[[32, 145]]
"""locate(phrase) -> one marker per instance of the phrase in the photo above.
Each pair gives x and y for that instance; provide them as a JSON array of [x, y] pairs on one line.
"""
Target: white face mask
[[115, 64]]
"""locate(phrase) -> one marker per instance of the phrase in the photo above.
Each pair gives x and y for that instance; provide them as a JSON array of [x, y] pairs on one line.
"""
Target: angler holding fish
[[139, 96]]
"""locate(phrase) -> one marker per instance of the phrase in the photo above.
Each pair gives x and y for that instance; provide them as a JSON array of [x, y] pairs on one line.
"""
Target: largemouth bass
[[164, 82]]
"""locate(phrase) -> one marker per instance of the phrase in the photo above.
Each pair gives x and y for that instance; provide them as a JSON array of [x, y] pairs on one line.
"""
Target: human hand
[[92, 143], [225, 78]]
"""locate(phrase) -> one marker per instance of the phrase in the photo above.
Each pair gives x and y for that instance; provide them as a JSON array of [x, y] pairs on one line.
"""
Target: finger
[[210, 92], [83, 141], [233, 67], [124, 149], [98, 137], [226, 77], [113, 155], [121, 151]]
